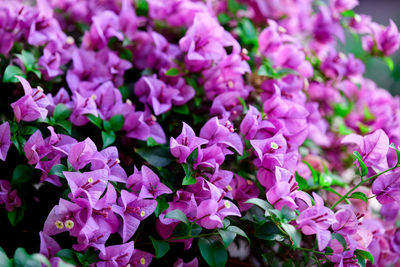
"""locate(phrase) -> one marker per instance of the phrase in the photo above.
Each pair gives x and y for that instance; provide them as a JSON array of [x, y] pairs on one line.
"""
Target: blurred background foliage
[[376, 69]]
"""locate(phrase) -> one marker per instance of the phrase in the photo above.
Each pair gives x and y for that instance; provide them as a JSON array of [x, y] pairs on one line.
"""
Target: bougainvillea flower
[[45, 167], [82, 153], [250, 123], [32, 105], [147, 181], [185, 143], [8, 196], [373, 148], [5, 140], [181, 263], [242, 190], [386, 40], [347, 222], [316, 220], [83, 106], [209, 157], [93, 183], [141, 258], [48, 246], [117, 255], [270, 151], [221, 132], [108, 159], [387, 188], [132, 211], [35, 148]]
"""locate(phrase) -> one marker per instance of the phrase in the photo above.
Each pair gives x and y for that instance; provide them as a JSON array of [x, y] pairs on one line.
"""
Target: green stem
[[361, 183]]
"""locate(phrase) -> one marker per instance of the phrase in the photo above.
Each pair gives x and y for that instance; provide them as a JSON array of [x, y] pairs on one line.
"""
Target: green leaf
[[397, 152], [89, 257], [314, 173], [27, 58], [37, 260], [191, 159], [301, 182], [389, 63], [259, 202], [364, 169], [4, 260], [365, 254], [189, 178], [108, 138], [172, 72], [162, 205], [126, 54], [10, 72], [294, 234], [15, 216], [359, 195], [288, 214], [142, 7], [223, 18], [227, 237], [238, 231], [69, 256], [243, 103], [61, 112], [234, 6], [65, 125], [95, 120], [268, 231], [213, 252], [368, 116], [183, 110], [340, 239], [151, 142], [58, 170], [361, 261], [348, 14], [177, 215], [28, 130], [20, 257], [248, 32], [158, 156], [160, 247], [21, 174], [117, 122]]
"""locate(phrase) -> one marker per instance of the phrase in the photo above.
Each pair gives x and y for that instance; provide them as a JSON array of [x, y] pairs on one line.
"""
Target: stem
[[311, 250], [190, 236], [360, 183]]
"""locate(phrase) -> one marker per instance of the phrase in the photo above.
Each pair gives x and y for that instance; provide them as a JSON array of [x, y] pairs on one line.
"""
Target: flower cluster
[[277, 139]]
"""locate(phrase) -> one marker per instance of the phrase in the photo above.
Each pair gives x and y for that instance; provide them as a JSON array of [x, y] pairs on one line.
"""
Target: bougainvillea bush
[[195, 133]]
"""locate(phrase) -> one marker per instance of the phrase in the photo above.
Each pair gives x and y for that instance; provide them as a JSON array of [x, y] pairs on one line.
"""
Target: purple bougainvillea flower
[[48, 246], [9, 197], [45, 167], [102, 211], [250, 123], [242, 190], [387, 40], [91, 183], [108, 159], [185, 143], [82, 153], [209, 157], [270, 151], [221, 132], [181, 263], [347, 222], [132, 211], [32, 106], [117, 255], [147, 184], [5, 140], [387, 188], [316, 220], [95, 239], [141, 258], [373, 148], [35, 148], [50, 61], [60, 143], [83, 106]]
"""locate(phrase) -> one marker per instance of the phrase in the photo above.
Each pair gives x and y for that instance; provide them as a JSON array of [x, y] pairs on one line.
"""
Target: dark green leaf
[[10, 72], [151, 142], [142, 7], [365, 254], [259, 202], [268, 231], [177, 215], [288, 214], [172, 72], [301, 182], [69, 256], [21, 174], [126, 54], [340, 239], [294, 234], [58, 170], [15, 216], [359, 195], [363, 167], [90, 256], [227, 237], [192, 157], [188, 180], [108, 138], [61, 112], [213, 252], [223, 18], [160, 247], [238, 231], [162, 205], [117, 122], [95, 120], [158, 156], [65, 126], [183, 110]]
